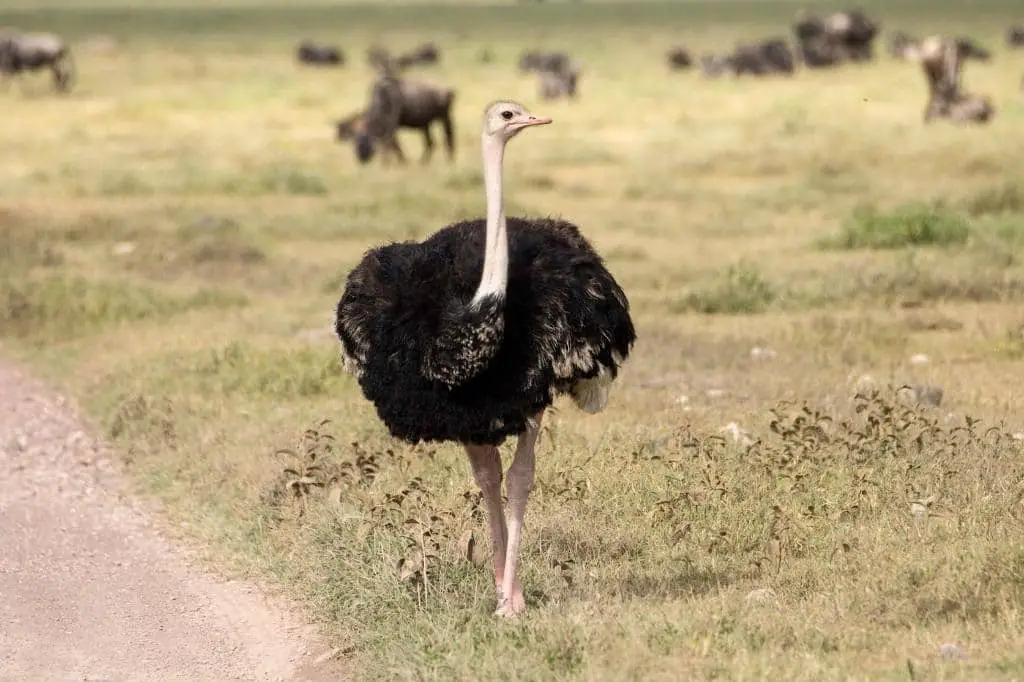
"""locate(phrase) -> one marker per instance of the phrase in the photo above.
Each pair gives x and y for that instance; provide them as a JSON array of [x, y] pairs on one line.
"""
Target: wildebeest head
[[364, 147], [971, 50], [349, 127]]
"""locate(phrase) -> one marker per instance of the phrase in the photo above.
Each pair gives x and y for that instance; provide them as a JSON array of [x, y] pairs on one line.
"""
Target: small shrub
[[743, 290], [23, 247], [912, 225]]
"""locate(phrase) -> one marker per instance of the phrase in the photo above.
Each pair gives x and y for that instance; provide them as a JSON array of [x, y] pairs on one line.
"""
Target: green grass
[[174, 235], [913, 225]]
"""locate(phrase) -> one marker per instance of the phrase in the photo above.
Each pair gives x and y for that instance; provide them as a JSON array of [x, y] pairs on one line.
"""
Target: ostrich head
[[504, 119]]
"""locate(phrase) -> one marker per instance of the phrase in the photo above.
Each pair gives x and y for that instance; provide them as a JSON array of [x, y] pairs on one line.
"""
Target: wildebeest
[[536, 60], [759, 59], [679, 58], [558, 74], [312, 54], [762, 58], [1015, 36], [34, 51], [400, 103], [422, 55], [836, 38], [555, 84], [942, 59]]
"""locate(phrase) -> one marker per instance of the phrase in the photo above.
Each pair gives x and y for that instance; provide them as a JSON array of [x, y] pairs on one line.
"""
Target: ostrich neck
[[495, 276]]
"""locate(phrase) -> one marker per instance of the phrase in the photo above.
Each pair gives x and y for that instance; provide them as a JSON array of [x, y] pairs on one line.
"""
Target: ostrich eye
[[506, 115]]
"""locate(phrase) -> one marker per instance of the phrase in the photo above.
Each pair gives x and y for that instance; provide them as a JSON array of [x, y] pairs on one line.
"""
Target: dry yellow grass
[[174, 234]]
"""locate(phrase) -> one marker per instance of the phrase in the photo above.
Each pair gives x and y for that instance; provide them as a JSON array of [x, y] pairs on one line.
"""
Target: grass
[[173, 239]]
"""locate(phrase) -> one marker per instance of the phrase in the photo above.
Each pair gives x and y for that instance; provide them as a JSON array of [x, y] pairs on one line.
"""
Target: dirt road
[[90, 590]]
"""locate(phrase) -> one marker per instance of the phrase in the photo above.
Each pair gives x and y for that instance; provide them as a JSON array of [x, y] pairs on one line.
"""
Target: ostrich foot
[[512, 606]]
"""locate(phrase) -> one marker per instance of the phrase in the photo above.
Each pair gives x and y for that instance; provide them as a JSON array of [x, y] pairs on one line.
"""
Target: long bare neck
[[495, 277]]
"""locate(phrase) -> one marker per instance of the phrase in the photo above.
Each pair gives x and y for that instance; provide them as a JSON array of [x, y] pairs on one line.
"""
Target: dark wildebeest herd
[[396, 101], [822, 42]]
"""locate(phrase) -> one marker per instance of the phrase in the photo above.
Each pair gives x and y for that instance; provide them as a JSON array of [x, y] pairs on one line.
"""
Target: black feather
[[438, 370]]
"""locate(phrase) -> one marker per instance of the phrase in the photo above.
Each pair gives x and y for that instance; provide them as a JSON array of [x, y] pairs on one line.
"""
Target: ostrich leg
[[520, 483], [486, 463]]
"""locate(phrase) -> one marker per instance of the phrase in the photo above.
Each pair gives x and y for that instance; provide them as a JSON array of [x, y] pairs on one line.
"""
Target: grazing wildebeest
[[400, 103], [555, 84], [423, 55], [942, 59], [312, 54], [557, 73], [535, 60], [1015, 36], [836, 38], [34, 51], [679, 58], [763, 58], [758, 59]]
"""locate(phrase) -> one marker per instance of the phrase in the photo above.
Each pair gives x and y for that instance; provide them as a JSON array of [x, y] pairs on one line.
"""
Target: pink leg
[[520, 483], [486, 463]]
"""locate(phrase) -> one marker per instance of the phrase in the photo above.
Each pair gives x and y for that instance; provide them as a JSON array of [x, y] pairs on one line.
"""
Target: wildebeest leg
[[449, 135], [392, 144], [428, 144], [63, 72]]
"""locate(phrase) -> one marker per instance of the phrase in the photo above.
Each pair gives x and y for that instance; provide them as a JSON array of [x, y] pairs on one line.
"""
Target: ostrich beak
[[534, 121]]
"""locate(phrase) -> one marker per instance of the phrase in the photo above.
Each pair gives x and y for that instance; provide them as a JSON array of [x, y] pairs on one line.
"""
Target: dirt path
[[89, 590]]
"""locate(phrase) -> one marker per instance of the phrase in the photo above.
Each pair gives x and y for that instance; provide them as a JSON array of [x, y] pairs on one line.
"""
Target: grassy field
[[173, 238]]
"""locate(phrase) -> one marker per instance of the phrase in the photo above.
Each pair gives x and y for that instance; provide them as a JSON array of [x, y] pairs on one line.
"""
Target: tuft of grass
[[1007, 198], [61, 308], [741, 290], [907, 226], [210, 249], [244, 371], [22, 247], [292, 181]]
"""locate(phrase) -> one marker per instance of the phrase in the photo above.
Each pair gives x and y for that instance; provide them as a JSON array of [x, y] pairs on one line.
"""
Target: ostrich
[[469, 335]]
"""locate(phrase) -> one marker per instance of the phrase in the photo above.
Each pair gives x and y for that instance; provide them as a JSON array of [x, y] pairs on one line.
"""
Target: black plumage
[[404, 324]]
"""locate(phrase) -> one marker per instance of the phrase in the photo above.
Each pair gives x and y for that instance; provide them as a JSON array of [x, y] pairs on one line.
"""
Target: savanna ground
[[174, 235]]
